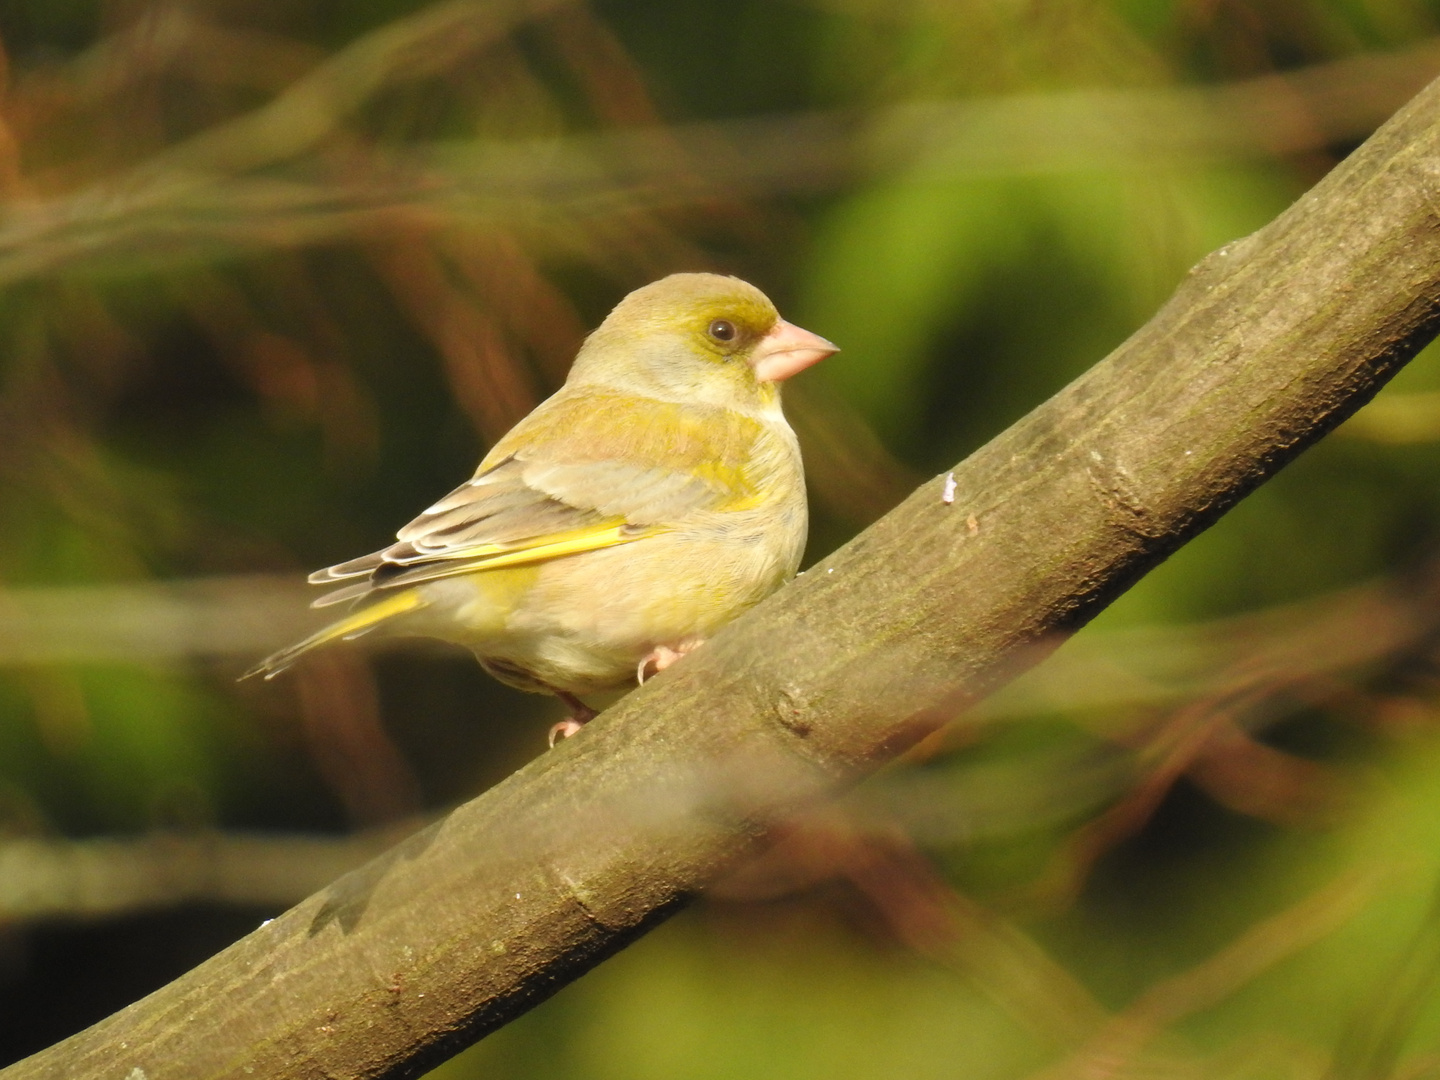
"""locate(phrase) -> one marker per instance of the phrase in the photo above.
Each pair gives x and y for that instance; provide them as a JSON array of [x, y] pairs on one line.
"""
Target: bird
[[651, 499]]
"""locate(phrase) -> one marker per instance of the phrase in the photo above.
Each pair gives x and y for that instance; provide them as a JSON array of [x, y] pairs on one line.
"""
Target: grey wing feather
[[339, 596], [614, 489]]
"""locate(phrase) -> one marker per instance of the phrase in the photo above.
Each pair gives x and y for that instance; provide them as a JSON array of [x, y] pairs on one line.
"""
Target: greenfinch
[[654, 497]]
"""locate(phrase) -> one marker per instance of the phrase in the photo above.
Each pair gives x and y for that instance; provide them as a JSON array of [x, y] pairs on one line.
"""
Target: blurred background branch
[[193, 199], [151, 622], [90, 879]]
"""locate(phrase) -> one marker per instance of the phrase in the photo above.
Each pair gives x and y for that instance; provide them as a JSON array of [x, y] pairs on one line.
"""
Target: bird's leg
[[661, 657], [580, 715]]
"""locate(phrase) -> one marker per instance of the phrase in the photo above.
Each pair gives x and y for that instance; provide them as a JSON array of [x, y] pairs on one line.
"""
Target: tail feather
[[351, 626], [365, 565], [344, 593]]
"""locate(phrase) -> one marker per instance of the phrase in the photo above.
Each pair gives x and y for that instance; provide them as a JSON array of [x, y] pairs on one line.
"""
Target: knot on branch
[[792, 710], [1119, 494]]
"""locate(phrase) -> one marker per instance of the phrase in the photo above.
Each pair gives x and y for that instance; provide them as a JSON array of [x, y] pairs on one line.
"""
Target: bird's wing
[[589, 469]]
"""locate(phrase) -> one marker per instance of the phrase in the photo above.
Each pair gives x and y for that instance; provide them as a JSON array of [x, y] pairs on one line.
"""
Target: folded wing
[[587, 470]]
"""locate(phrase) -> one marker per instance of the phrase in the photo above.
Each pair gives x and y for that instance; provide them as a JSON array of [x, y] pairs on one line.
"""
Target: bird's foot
[[661, 657], [563, 730], [580, 715]]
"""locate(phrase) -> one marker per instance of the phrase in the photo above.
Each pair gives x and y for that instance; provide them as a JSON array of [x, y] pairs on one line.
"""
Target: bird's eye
[[722, 330]]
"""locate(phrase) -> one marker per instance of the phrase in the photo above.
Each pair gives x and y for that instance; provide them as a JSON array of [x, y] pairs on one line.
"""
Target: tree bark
[[1268, 344]]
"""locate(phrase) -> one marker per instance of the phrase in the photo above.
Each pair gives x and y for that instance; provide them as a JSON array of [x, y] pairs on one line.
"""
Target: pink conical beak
[[787, 350]]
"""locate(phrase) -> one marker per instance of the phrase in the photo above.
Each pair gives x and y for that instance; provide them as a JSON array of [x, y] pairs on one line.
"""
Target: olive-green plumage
[[653, 498]]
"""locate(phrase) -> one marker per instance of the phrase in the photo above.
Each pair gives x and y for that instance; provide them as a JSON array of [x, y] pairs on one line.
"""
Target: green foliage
[[947, 291]]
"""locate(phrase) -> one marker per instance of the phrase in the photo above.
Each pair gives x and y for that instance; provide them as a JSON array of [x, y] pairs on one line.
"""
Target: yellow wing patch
[[495, 556]]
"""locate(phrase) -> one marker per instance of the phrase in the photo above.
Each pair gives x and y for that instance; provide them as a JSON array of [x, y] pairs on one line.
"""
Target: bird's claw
[[580, 715], [659, 658], [563, 730]]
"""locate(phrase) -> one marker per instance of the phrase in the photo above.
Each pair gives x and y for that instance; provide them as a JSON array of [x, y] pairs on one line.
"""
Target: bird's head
[[699, 337]]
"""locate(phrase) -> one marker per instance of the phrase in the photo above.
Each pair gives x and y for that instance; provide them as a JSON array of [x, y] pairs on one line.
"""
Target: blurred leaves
[[274, 275]]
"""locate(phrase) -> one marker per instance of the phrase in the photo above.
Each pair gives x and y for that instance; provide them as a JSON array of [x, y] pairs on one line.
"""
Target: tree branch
[[1269, 343]]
